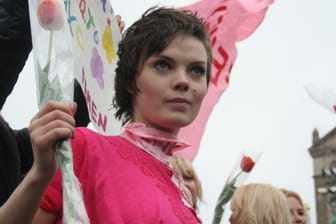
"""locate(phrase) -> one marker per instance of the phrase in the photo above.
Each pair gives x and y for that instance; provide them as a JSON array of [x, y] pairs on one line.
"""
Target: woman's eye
[[185, 177], [198, 71], [301, 212], [161, 65]]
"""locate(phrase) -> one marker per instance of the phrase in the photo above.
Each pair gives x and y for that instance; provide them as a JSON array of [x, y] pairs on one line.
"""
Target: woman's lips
[[179, 103]]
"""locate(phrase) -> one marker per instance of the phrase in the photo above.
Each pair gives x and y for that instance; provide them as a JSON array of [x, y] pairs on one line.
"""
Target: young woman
[[259, 204], [188, 178], [161, 79], [296, 207]]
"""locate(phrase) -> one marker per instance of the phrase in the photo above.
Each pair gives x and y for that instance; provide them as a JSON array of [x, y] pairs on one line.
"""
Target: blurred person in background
[[259, 203], [298, 211]]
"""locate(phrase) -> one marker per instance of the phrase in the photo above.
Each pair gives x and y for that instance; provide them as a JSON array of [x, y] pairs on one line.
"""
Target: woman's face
[[172, 85], [190, 183], [297, 211]]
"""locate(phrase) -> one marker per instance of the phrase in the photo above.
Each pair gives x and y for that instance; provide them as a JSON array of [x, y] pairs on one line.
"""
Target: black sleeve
[[9, 162], [15, 43], [16, 158], [25, 149]]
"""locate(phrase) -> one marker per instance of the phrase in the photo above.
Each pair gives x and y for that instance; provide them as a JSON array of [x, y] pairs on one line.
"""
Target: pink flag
[[229, 21]]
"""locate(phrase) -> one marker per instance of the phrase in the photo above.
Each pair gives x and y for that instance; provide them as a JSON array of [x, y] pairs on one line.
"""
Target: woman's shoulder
[[85, 137]]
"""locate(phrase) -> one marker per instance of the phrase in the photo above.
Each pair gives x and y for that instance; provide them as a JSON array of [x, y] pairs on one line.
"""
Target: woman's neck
[[158, 143]]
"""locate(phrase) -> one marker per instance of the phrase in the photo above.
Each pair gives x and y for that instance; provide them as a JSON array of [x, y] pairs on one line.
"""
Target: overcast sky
[[265, 109]]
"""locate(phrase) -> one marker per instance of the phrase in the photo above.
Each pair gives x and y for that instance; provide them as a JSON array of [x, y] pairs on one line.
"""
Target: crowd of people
[[133, 177]]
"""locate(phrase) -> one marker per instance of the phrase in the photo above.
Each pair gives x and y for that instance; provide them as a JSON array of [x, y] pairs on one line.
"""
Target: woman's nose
[[181, 81]]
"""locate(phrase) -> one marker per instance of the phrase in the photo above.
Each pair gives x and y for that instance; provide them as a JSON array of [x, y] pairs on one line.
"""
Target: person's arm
[[24, 202], [44, 217], [53, 122]]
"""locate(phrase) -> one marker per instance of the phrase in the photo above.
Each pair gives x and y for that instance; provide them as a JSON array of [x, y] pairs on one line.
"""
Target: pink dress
[[122, 182]]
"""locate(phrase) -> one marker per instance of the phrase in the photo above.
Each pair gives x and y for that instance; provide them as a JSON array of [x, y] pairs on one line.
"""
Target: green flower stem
[[224, 197], [50, 46]]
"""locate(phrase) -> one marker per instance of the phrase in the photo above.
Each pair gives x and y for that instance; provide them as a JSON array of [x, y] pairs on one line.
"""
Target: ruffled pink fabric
[[159, 144]]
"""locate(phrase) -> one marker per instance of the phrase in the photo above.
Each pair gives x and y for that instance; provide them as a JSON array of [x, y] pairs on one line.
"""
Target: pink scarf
[[159, 144]]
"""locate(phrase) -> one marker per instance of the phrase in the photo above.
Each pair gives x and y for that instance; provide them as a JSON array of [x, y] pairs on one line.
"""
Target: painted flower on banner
[[50, 14], [246, 165], [97, 67]]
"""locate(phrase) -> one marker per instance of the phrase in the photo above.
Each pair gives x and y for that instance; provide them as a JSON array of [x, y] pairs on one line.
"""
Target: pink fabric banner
[[229, 21]]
